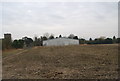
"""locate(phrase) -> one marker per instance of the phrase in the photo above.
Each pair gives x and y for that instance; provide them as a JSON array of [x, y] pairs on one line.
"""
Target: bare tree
[[71, 36], [47, 35]]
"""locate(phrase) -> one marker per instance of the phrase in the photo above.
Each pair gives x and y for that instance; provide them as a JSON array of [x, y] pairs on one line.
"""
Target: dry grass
[[63, 62], [10, 52]]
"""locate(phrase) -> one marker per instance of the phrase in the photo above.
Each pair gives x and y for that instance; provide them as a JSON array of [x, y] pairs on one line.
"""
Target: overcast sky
[[84, 19]]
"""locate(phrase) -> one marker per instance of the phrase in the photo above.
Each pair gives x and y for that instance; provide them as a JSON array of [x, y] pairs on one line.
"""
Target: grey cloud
[[60, 18]]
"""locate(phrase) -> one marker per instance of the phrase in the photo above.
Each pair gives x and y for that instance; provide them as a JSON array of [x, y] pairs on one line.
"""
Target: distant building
[[7, 36], [60, 42], [7, 41]]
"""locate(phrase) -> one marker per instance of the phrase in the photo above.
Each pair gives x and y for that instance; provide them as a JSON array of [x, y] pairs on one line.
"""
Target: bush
[[18, 44]]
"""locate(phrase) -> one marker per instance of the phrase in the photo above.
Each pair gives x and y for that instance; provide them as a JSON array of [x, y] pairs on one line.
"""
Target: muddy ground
[[62, 62]]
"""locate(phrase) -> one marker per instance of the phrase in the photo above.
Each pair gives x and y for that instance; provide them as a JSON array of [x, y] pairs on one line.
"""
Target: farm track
[[12, 56]]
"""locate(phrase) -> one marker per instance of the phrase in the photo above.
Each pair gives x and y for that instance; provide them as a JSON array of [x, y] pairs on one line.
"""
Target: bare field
[[62, 62]]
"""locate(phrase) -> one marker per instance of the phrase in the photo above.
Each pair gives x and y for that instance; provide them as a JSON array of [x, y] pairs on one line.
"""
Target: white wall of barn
[[60, 42]]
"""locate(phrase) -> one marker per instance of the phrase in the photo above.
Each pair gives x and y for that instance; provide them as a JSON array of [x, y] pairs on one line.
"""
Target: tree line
[[100, 40], [27, 42]]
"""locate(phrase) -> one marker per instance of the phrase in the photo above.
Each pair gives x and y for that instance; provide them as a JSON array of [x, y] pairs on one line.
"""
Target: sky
[[84, 19]]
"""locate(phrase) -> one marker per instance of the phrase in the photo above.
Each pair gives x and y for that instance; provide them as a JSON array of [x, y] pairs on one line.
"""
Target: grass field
[[62, 62]]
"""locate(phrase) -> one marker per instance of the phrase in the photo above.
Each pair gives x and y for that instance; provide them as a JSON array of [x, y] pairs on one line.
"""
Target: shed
[[60, 42]]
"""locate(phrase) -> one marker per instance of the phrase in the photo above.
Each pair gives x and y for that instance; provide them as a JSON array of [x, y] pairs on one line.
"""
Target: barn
[[60, 42]]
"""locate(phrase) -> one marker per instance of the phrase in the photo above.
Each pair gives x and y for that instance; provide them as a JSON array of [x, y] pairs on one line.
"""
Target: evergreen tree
[[60, 36]]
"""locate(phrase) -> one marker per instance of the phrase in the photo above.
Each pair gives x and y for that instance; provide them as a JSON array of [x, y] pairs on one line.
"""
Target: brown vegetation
[[63, 62]]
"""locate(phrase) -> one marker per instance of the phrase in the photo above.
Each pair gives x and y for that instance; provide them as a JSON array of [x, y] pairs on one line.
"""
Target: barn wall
[[60, 42]]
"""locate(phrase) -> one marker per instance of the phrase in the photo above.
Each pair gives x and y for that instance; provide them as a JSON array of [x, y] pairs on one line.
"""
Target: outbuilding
[[60, 42]]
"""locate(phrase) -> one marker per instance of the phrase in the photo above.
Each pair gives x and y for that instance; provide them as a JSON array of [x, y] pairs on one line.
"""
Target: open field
[[63, 62]]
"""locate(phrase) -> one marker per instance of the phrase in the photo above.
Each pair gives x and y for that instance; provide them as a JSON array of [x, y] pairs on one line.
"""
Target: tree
[[82, 41], [118, 40], [15, 44], [18, 43], [71, 36], [102, 37], [36, 38], [21, 43], [47, 35], [114, 39], [44, 38], [60, 36], [90, 39], [28, 41], [41, 40], [108, 41], [75, 37], [51, 37], [37, 41], [100, 40]]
